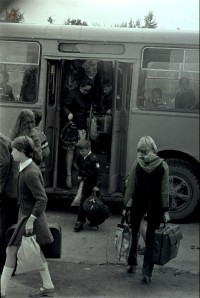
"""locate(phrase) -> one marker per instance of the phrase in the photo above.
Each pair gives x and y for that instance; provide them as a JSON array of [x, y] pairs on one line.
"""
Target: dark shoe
[[146, 279], [131, 268], [42, 292], [78, 227]]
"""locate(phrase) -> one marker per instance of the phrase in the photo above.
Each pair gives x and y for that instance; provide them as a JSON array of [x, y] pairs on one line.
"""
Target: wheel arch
[[174, 154]]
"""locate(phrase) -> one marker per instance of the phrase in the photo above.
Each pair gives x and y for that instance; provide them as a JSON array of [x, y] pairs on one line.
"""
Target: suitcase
[[52, 250], [166, 244]]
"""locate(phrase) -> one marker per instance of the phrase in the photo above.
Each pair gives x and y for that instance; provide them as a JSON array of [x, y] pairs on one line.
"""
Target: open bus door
[[121, 105], [52, 120]]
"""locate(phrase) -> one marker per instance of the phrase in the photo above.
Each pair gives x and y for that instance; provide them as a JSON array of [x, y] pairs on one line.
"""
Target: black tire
[[184, 189]]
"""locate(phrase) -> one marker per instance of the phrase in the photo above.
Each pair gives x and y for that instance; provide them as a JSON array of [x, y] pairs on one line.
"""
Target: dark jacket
[[185, 100], [78, 105], [90, 169], [5, 161], [6, 90], [8, 169], [149, 165]]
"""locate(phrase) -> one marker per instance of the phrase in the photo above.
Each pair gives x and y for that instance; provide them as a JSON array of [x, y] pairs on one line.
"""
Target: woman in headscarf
[[148, 188]]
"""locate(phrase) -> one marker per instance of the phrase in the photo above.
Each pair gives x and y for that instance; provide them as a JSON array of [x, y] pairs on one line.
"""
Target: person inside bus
[[74, 72], [76, 105], [148, 186], [185, 98], [6, 92], [29, 85], [156, 97]]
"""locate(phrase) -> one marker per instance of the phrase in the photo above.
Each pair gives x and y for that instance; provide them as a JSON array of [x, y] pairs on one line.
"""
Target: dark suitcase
[[52, 250], [166, 243]]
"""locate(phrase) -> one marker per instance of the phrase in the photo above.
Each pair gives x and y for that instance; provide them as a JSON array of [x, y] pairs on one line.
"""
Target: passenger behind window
[[155, 102], [185, 98], [5, 89], [29, 84], [156, 95]]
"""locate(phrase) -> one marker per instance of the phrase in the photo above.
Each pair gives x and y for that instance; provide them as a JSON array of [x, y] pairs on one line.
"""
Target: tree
[[50, 20], [75, 22], [13, 16], [149, 21]]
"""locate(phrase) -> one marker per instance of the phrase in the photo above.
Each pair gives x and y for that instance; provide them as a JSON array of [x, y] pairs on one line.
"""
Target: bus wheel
[[184, 189]]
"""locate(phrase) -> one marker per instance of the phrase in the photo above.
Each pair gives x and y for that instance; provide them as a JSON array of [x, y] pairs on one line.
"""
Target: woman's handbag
[[123, 237], [69, 133], [92, 125], [29, 256]]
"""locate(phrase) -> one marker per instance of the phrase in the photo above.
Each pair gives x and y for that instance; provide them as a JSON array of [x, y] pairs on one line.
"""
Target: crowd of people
[[148, 187], [22, 163]]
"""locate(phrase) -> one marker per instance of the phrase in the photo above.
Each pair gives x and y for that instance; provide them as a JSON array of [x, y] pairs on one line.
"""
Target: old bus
[[37, 60]]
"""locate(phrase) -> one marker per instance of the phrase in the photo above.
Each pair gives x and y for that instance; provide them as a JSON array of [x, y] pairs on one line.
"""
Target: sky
[[169, 14]]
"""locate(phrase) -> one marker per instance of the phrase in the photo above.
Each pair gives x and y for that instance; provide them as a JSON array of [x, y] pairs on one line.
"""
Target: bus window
[[169, 79], [19, 61]]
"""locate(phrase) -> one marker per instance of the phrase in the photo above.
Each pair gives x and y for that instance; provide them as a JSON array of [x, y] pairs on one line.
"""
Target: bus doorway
[[108, 102]]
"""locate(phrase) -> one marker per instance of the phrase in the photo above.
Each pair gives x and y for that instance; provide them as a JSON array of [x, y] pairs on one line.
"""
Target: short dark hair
[[23, 144], [84, 144], [158, 90], [38, 116]]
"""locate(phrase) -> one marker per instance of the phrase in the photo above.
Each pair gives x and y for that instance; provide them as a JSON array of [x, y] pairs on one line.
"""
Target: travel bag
[[52, 250], [96, 211], [166, 243]]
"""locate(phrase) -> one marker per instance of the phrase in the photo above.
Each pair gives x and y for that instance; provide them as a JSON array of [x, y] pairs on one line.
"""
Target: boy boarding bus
[[144, 82]]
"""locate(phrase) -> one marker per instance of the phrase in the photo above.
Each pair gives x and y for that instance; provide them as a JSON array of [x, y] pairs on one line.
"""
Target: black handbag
[[69, 133], [96, 211]]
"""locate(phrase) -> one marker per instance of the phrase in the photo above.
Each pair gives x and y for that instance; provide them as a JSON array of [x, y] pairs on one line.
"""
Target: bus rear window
[[19, 71]]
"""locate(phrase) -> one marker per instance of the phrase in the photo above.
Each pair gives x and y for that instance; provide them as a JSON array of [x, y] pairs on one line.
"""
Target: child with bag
[[32, 219], [90, 173]]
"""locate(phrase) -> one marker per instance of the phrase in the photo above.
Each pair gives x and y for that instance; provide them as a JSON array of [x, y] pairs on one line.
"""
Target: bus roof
[[103, 34]]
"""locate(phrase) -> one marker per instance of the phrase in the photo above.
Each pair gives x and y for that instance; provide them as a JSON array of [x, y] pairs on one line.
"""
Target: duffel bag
[[96, 211]]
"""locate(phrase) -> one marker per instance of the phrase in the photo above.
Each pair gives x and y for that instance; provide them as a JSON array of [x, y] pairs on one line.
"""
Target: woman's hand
[[29, 225]]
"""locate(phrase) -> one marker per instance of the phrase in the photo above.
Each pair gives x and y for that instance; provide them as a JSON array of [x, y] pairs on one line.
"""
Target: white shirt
[[24, 164], [87, 155]]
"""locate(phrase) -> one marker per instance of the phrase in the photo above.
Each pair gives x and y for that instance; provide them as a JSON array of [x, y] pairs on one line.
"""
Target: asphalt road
[[89, 266]]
